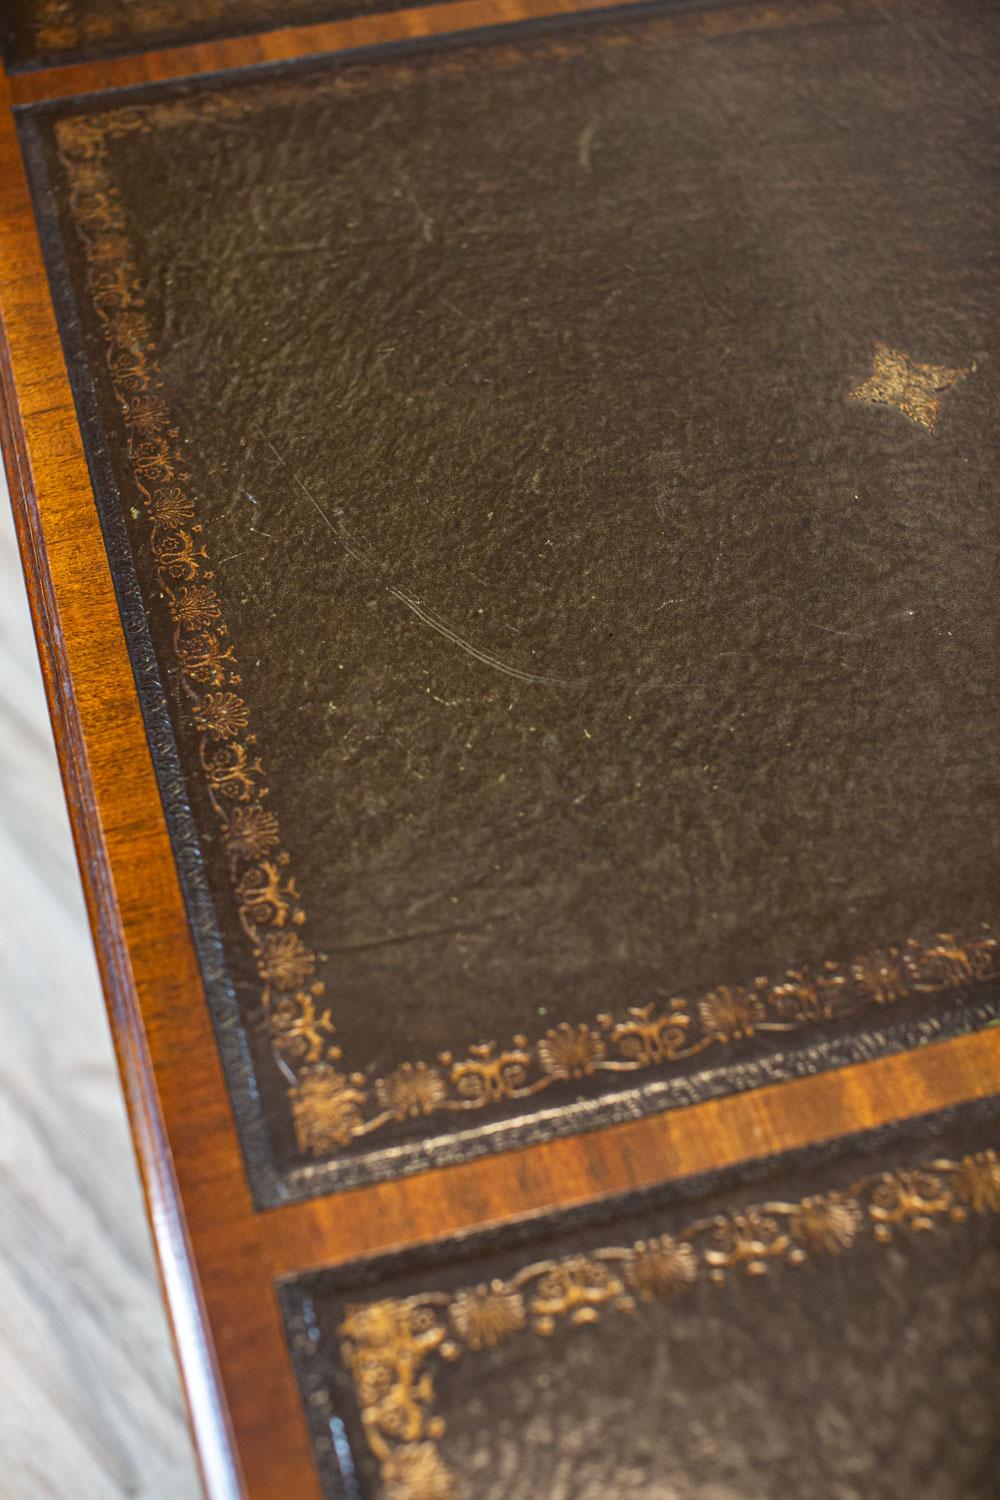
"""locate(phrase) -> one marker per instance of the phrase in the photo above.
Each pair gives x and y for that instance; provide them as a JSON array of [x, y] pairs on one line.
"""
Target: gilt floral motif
[[484, 1315], [326, 1108], [731, 1013], [251, 832], [414, 1089], [661, 1268], [571, 1051], [222, 716], [827, 1225], [417, 1472], [977, 1182]]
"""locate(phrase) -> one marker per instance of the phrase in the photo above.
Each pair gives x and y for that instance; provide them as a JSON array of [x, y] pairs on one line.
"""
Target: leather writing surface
[[550, 486], [826, 1325]]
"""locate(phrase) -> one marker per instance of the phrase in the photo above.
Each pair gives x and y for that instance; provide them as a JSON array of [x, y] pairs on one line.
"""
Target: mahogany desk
[[508, 501]]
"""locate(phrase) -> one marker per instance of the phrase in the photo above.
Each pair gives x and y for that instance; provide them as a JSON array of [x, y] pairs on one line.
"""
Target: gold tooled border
[[332, 1109], [389, 1346]]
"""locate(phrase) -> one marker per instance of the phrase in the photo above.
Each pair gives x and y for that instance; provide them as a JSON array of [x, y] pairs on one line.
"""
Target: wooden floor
[[90, 1405]]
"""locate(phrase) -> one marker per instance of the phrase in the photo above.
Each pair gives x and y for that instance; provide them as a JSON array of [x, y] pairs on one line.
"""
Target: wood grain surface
[[218, 1258], [90, 1400]]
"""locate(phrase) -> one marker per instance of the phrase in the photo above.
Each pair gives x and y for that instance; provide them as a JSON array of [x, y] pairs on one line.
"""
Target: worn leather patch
[[550, 482], [823, 1324]]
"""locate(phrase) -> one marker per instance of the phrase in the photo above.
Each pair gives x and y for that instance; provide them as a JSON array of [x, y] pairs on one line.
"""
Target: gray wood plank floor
[[90, 1403]]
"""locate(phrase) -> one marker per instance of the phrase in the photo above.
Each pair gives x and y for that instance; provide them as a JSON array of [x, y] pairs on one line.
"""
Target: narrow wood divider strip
[[663, 1148], [288, 44], [285, 45]]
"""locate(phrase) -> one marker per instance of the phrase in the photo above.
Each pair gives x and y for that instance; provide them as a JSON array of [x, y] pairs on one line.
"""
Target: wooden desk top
[[630, 828]]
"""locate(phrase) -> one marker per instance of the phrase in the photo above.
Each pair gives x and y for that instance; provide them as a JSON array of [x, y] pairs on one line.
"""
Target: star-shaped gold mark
[[914, 389]]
